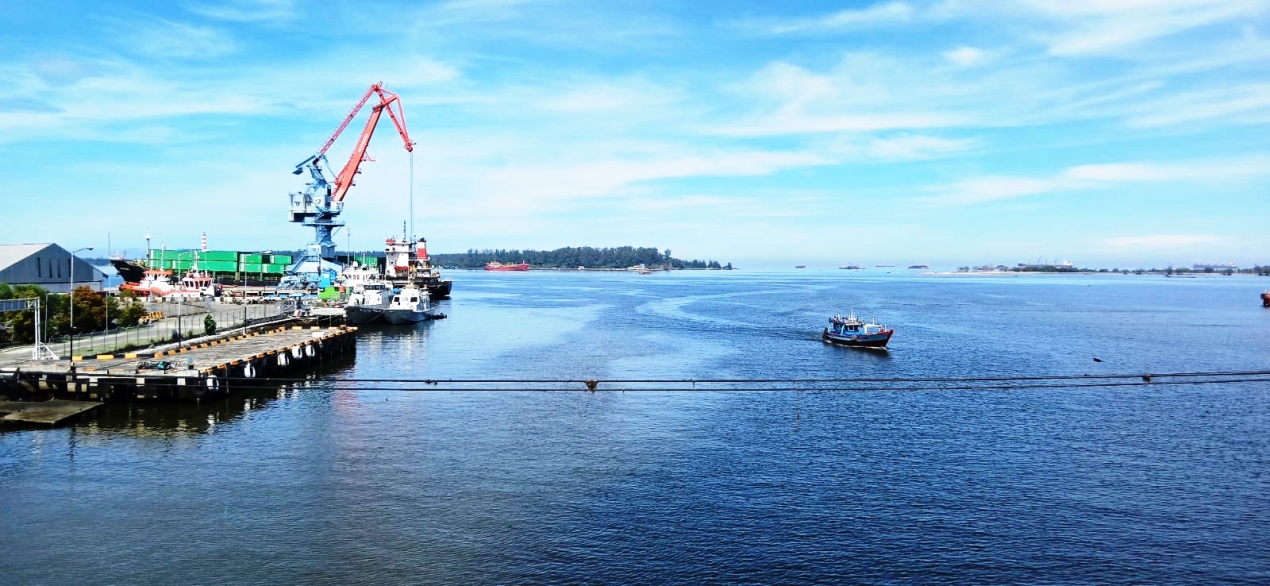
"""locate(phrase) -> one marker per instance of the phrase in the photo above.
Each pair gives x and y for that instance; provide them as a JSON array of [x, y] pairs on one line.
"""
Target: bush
[[209, 324]]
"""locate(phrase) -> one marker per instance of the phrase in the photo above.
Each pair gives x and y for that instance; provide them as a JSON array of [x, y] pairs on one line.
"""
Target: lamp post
[[71, 350]]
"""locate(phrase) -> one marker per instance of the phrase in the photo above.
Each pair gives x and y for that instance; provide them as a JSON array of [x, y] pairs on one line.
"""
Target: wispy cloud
[[1100, 27], [160, 38], [890, 12], [1162, 241], [246, 10], [1085, 177], [964, 56], [1235, 103], [608, 95]]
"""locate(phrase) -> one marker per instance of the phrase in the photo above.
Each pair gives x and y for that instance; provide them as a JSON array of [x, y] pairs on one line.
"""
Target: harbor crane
[[320, 204]]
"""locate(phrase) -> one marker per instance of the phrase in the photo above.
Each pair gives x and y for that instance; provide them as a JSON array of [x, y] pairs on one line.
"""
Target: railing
[[181, 320]]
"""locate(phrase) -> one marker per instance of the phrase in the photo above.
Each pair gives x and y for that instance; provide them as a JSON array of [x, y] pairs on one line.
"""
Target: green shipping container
[[281, 259], [222, 255], [219, 266], [275, 269], [252, 258], [253, 267]]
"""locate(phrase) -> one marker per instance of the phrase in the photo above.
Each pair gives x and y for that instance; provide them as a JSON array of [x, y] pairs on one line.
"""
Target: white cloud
[[966, 56], [608, 96], [165, 39], [864, 92], [900, 147], [798, 123], [1158, 241], [991, 188], [1231, 103], [1084, 177], [1100, 27], [1242, 168], [246, 10], [845, 19]]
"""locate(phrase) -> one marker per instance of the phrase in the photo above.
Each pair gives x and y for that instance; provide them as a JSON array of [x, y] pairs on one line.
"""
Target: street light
[[71, 351]]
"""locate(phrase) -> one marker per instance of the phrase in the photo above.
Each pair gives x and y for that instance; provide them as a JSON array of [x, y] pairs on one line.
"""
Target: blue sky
[[1110, 133]]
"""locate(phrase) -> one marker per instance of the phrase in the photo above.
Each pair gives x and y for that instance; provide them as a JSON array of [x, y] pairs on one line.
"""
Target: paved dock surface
[[44, 412], [193, 371], [198, 357]]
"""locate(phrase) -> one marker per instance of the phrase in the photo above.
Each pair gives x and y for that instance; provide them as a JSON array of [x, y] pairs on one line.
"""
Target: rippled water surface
[[329, 483]]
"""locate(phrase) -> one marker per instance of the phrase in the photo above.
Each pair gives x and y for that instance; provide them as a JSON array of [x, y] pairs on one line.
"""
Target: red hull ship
[[498, 266], [1265, 299]]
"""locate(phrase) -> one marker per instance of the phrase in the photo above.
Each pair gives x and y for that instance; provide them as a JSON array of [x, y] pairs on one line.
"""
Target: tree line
[[573, 257], [91, 309]]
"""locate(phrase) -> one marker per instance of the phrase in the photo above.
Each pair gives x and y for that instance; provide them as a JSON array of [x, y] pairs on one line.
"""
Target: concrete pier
[[206, 368]]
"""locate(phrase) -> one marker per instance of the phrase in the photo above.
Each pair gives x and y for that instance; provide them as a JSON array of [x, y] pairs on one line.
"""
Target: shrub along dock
[[207, 368]]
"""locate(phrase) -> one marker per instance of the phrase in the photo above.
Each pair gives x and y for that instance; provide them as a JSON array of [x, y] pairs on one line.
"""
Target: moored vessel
[[367, 302], [153, 282], [130, 271], [410, 305], [854, 332], [494, 265], [1265, 298], [407, 263]]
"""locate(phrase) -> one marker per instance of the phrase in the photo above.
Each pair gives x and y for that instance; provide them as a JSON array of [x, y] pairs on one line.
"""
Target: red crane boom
[[386, 100]]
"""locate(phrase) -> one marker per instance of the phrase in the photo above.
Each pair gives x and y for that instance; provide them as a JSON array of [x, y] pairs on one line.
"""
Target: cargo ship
[[494, 265], [228, 267], [408, 263]]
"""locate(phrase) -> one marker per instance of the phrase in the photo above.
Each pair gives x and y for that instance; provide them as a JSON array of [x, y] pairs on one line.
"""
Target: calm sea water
[[330, 485]]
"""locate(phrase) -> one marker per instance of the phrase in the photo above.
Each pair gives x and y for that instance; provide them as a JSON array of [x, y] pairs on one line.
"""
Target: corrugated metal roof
[[12, 253]]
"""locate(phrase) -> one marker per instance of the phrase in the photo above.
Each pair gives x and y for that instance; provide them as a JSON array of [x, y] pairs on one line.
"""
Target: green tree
[[90, 310], [209, 324], [131, 314]]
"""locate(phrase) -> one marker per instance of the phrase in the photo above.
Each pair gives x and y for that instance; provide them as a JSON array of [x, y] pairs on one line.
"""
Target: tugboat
[[851, 331], [1265, 298], [153, 282]]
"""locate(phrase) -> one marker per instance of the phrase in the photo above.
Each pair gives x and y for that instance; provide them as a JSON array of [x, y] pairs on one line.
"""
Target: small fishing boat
[[851, 331]]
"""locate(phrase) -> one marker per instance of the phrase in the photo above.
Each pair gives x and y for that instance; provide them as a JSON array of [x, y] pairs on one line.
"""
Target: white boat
[[195, 284], [367, 302], [355, 275], [409, 305]]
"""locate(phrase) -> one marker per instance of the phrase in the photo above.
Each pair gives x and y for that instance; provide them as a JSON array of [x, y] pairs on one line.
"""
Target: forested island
[[574, 257]]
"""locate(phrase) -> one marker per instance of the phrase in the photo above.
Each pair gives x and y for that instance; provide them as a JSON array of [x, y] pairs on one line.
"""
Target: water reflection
[[167, 420]]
